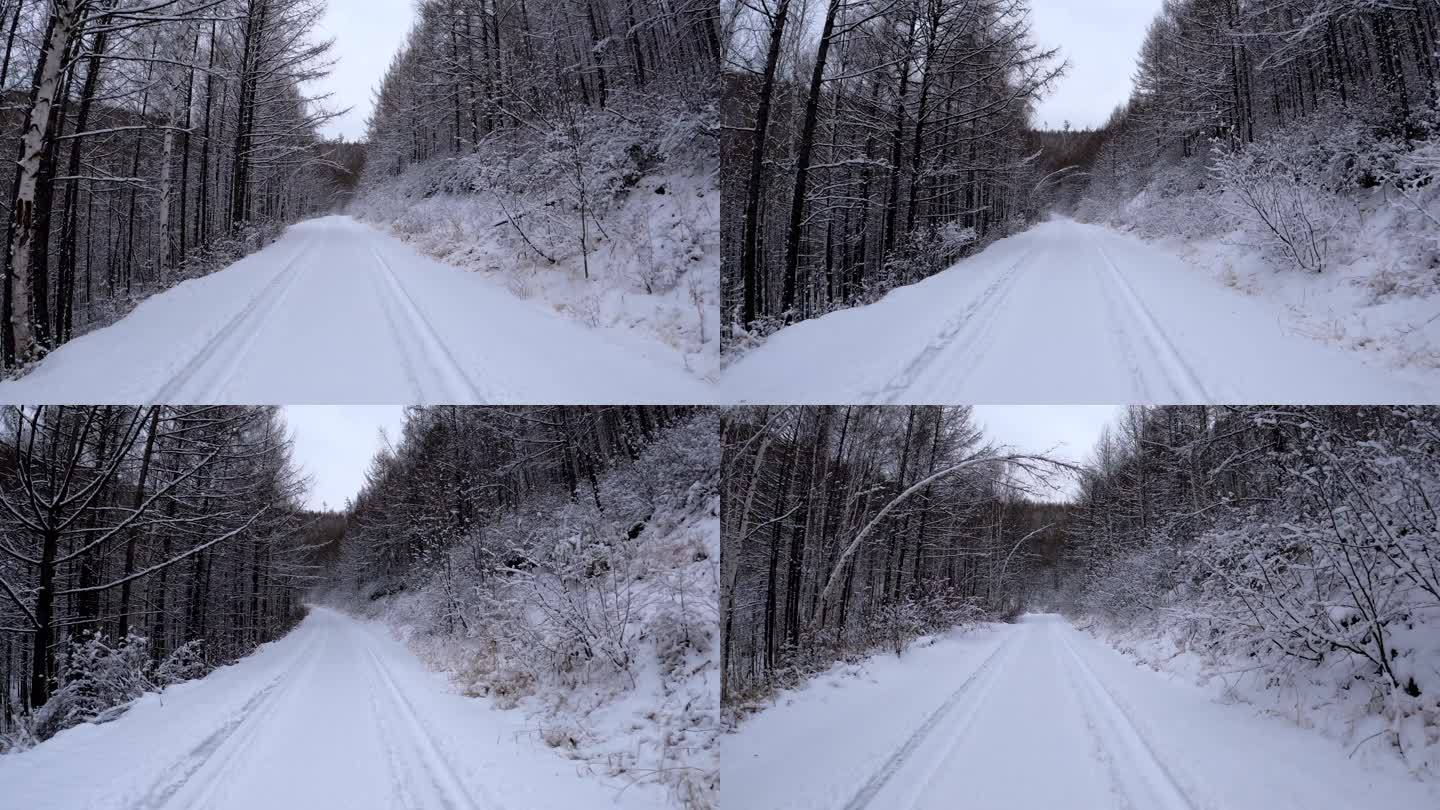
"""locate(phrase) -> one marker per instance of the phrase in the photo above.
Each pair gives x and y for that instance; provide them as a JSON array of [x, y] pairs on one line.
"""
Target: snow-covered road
[[1064, 312], [1038, 716], [337, 715], [338, 312]]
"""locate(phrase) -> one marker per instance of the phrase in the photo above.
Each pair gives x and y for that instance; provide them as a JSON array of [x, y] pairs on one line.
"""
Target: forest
[[141, 547], [869, 145], [570, 149], [562, 560], [1301, 116], [848, 529], [154, 142], [1299, 541]]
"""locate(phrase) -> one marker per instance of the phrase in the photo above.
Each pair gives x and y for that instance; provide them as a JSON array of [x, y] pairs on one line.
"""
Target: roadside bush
[[1270, 186]]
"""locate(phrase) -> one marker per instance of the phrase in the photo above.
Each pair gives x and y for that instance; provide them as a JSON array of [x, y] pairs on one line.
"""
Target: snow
[[1035, 716], [337, 312], [1337, 698], [336, 714], [1368, 305], [653, 725], [1065, 312], [654, 268], [606, 640]]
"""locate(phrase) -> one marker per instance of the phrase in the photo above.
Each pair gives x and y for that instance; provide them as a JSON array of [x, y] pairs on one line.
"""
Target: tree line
[[868, 143], [847, 528], [155, 140], [453, 468], [137, 541], [545, 113], [1363, 73], [472, 68]]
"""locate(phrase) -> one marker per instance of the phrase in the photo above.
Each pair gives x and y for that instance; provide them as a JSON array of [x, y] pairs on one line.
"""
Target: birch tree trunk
[[64, 17]]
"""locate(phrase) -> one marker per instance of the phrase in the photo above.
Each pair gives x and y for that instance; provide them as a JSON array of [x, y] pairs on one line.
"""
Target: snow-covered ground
[[1036, 716], [653, 267], [338, 312], [644, 708], [1379, 293], [337, 714], [1066, 312]]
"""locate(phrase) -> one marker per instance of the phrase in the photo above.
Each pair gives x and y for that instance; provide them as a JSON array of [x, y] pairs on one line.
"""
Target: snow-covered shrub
[[1132, 586], [895, 624], [1271, 184], [187, 662], [1353, 562], [677, 635], [97, 681]]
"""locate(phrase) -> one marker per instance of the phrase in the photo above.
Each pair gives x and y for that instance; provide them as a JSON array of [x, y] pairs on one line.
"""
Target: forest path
[[1064, 312], [1036, 716], [338, 312], [335, 715]]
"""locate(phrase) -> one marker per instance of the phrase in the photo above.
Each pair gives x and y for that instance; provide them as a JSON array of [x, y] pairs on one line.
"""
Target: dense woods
[[454, 468], [849, 528], [1301, 540], [563, 557], [140, 546], [1282, 107], [154, 141], [867, 145], [472, 69]]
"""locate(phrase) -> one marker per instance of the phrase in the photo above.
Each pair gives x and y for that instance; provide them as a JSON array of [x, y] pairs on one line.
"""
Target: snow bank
[[1377, 214], [646, 210], [1380, 294], [1331, 700]]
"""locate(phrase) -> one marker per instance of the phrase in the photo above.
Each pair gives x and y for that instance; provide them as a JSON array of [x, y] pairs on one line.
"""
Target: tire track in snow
[[448, 786], [232, 338], [1098, 749], [1122, 738], [1183, 380], [971, 329], [958, 729], [401, 338], [1123, 342], [979, 678], [221, 748], [448, 370]]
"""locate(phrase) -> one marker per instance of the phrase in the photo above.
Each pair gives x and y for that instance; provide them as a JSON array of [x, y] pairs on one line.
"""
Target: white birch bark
[[64, 15]]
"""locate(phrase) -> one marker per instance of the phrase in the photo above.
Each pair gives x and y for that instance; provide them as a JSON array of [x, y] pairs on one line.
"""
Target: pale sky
[[367, 34], [334, 445], [1067, 432], [1101, 39]]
